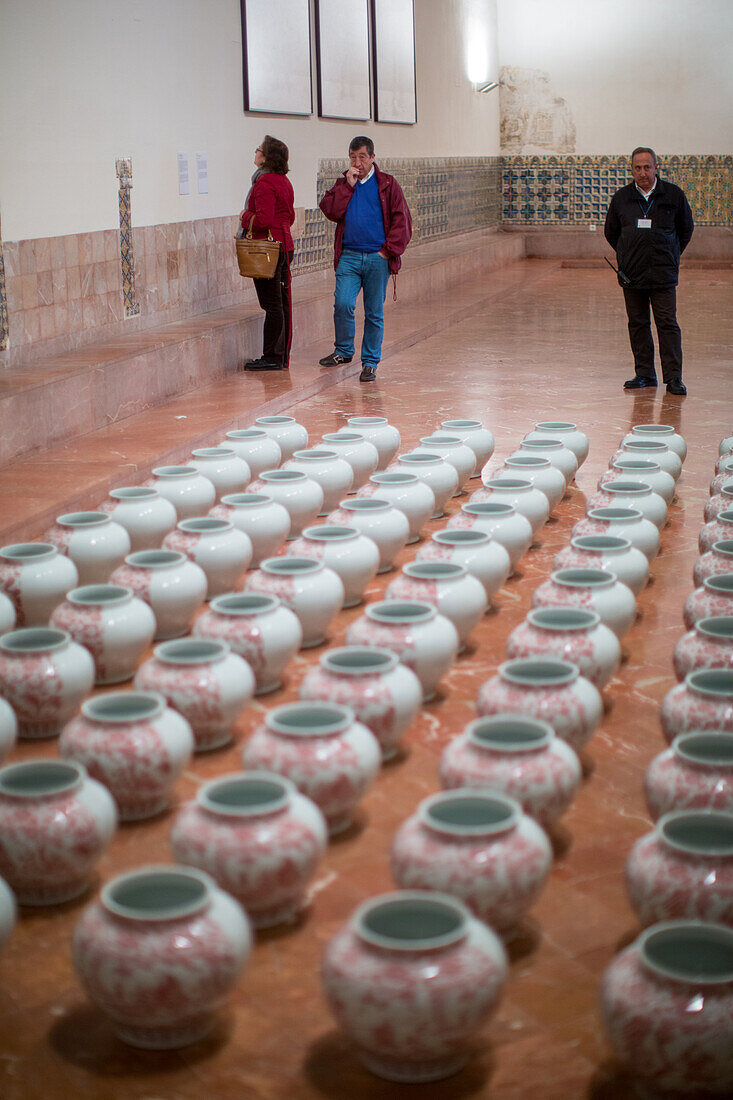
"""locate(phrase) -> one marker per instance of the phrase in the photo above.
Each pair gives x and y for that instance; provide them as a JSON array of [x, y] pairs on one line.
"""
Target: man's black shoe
[[676, 388], [368, 374], [640, 383], [334, 359], [264, 364]]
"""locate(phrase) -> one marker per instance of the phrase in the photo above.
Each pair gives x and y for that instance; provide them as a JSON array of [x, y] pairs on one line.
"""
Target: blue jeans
[[367, 271]]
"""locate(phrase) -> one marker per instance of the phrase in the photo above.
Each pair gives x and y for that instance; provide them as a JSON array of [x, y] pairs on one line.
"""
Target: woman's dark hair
[[276, 155]]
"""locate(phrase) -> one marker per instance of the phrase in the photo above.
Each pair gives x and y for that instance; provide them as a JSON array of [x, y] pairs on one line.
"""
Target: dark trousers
[[274, 297], [664, 306]]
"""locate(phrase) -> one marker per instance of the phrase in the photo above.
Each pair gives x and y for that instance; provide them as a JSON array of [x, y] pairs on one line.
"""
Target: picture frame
[[343, 59], [395, 84], [276, 67]]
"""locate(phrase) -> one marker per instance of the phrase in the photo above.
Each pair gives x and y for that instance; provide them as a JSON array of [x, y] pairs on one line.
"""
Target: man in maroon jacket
[[373, 228]]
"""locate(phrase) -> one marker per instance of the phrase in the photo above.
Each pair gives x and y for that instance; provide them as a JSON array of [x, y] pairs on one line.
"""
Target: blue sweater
[[364, 223]]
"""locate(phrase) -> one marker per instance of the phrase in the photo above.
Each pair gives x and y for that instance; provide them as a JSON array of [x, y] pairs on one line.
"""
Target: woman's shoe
[[264, 364]]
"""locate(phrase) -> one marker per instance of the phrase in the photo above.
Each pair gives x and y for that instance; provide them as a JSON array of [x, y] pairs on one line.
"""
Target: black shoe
[[264, 364], [677, 388], [640, 382], [335, 360], [368, 374]]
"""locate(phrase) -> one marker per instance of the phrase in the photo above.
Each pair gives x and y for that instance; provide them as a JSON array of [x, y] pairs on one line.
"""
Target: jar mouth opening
[[191, 651], [82, 519], [722, 582], [33, 639], [611, 513], [721, 627], [724, 547], [95, 594], [711, 681], [123, 706], [344, 437], [698, 832], [510, 732], [639, 488], [155, 559], [440, 440], [689, 951], [157, 893], [489, 508], [584, 578], [422, 459], [291, 567], [539, 672], [359, 660], [395, 478], [245, 500], [542, 444], [556, 426], [434, 570], [400, 611], [461, 425], [244, 603], [214, 452], [275, 420], [469, 813], [282, 475], [246, 433], [646, 445], [367, 421], [309, 719], [665, 429], [330, 533], [204, 525], [514, 484], [315, 454], [713, 749], [411, 921], [563, 618], [27, 551], [644, 464], [458, 536], [247, 794], [365, 504], [175, 471], [726, 515], [134, 492], [39, 778], [600, 542], [528, 461]]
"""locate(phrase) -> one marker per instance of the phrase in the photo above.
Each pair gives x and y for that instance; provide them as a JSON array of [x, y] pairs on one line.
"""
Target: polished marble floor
[[554, 347]]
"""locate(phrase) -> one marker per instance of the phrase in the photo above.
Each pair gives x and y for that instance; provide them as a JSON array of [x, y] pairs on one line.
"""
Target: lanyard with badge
[[645, 222]]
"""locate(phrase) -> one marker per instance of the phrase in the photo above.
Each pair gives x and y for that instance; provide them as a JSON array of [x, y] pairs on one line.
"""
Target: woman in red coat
[[270, 201]]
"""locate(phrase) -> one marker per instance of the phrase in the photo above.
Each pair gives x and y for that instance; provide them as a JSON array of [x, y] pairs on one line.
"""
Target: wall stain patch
[[533, 118]]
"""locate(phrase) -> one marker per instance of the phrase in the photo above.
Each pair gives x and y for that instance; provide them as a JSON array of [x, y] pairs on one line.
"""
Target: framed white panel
[[277, 56], [393, 23], [342, 45]]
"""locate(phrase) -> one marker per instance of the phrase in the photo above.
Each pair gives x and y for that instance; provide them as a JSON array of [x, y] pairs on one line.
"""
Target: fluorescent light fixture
[[488, 87]]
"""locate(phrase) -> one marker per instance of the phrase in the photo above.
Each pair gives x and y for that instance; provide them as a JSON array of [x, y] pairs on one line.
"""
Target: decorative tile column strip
[[123, 168], [4, 328]]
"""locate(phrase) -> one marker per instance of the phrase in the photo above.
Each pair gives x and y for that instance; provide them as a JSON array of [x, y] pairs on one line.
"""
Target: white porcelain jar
[[329, 756], [173, 586], [190, 493], [333, 474], [258, 449], [112, 624], [353, 556], [484, 557], [718, 559], [299, 495], [407, 493], [94, 542], [8, 616], [726, 446], [721, 527], [257, 627], [624, 493], [663, 432], [204, 681], [132, 743], [265, 522], [289, 435], [711, 600], [383, 693], [476, 436], [380, 521], [381, 433], [35, 577], [567, 433], [308, 587], [625, 523], [709, 644], [545, 688], [571, 634], [8, 912], [423, 639], [703, 701], [539, 472], [8, 729], [438, 474], [521, 758], [643, 470], [502, 522], [258, 837], [595, 589], [353, 448], [56, 823], [453, 450], [694, 773], [44, 675], [159, 952], [553, 449], [721, 502], [723, 473], [610, 552], [449, 587], [653, 449], [216, 546], [520, 493], [226, 471], [143, 512]]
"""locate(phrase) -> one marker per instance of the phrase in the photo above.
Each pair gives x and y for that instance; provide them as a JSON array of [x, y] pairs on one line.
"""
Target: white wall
[[85, 81], [631, 72]]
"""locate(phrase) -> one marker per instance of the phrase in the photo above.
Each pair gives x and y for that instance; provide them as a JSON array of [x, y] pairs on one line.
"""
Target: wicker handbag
[[257, 259]]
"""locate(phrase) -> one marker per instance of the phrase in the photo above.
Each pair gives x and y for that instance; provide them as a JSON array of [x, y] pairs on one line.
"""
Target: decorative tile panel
[[4, 329], [123, 166]]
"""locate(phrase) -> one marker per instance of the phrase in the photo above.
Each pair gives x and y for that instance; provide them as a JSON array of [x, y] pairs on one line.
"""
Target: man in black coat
[[649, 224]]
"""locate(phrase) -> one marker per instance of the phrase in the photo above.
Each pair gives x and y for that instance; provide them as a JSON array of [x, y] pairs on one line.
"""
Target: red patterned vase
[[299, 495], [44, 675], [594, 589], [257, 627], [112, 624], [407, 493], [572, 634], [449, 587], [502, 522], [626, 493], [143, 512], [708, 645], [718, 559], [712, 600], [216, 546], [173, 586], [719, 528], [694, 773], [721, 502], [483, 557], [352, 556], [385, 525], [663, 432], [93, 541], [308, 587], [190, 493], [609, 552], [35, 577], [703, 701], [333, 474], [625, 523], [265, 522]]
